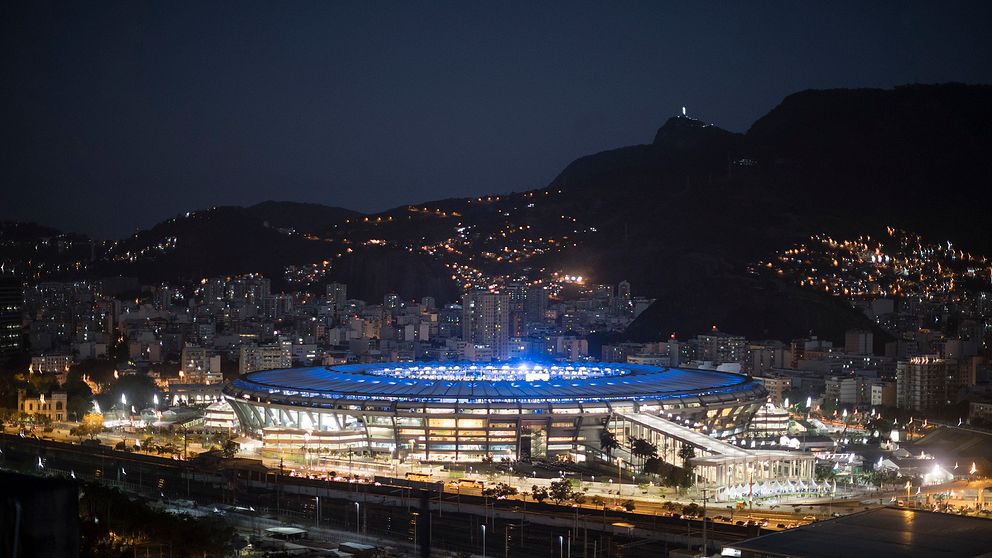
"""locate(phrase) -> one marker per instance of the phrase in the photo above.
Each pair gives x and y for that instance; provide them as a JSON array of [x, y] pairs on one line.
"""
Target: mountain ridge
[[681, 217]]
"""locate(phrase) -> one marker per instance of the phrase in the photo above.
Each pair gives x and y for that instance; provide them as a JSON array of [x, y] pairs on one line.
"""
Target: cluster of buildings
[[921, 371], [418, 379], [192, 335]]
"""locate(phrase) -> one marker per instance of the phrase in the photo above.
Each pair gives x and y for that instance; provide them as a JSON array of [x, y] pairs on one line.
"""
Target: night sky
[[119, 115]]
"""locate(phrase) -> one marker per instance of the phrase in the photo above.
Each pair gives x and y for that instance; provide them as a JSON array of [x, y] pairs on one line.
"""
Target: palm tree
[[608, 441], [642, 448], [687, 453]]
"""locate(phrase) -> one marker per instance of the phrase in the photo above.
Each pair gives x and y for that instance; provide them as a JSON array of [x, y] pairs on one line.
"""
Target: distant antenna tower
[[683, 111]]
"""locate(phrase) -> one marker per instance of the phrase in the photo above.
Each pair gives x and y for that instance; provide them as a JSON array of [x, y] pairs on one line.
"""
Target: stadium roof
[[412, 382], [879, 533]]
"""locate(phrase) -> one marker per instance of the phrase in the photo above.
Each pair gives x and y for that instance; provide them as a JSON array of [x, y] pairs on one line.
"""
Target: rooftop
[[474, 383], [879, 533]]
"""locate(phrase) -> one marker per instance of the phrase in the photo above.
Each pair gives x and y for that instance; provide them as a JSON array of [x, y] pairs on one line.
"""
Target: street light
[[619, 478], [358, 518], [483, 540], [561, 546]]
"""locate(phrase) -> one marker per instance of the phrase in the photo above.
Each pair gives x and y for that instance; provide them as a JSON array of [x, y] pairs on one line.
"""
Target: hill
[[683, 218], [264, 238], [302, 217]]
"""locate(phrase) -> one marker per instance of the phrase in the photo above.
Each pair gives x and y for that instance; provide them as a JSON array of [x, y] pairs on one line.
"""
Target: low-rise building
[[50, 364], [219, 416], [980, 410], [776, 385], [53, 407]]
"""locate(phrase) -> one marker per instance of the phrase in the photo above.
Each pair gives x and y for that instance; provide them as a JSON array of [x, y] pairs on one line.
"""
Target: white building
[[50, 364], [769, 421], [200, 365], [220, 416], [486, 321], [269, 356], [477, 353], [570, 347]]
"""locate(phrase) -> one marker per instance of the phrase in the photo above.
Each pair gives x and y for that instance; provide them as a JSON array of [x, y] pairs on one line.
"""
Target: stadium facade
[[467, 412]]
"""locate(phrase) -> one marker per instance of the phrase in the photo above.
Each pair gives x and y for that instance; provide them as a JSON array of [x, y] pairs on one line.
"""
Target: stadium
[[470, 412]]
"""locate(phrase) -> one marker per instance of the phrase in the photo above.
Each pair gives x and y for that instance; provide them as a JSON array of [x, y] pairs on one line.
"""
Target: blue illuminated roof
[[474, 383]]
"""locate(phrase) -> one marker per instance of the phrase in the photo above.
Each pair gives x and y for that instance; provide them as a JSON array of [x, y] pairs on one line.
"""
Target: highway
[[386, 514]]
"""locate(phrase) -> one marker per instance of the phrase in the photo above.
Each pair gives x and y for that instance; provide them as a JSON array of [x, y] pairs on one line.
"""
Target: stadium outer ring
[[468, 410]]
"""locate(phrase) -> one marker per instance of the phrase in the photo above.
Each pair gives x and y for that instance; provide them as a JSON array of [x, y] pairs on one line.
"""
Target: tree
[[639, 447], [79, 395], [598, 500], [825, 472], [687, 453], [539, 493], [230, 448], [561, 491], [82, 431], [887, 476], [653, 466], [629, 505], [501, 490], [91, 425], [138, 388], [608, 441], [691, 510], [6, 415]]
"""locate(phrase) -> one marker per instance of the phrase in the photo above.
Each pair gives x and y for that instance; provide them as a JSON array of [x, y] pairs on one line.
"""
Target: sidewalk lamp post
[[358, 518], [705, 548], [306, 453], [619, 477], [483, 540]]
